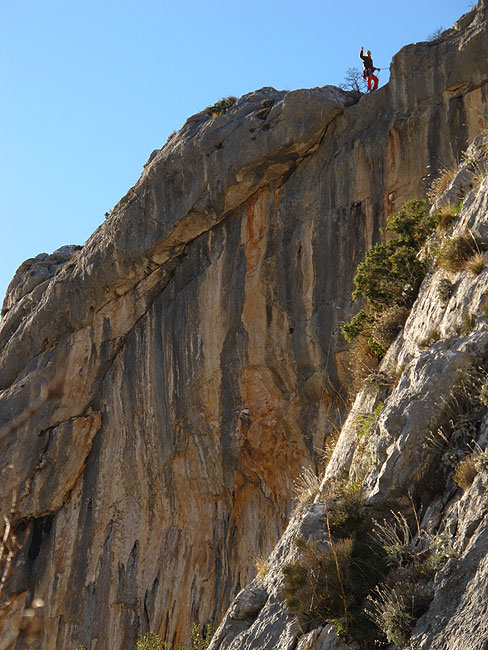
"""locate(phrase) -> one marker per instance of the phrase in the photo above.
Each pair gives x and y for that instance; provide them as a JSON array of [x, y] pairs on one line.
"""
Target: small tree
[[353, 80], [435, 34]]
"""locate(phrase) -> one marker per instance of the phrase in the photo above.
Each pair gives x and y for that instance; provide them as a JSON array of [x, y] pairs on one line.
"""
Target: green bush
[[444, 290], [391, 272], [389, 278], [412, 225], [222, 106], [150, 641], [200, 640], [357, 325]]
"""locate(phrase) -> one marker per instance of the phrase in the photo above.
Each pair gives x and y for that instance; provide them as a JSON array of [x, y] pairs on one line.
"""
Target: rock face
[[398, 465], [163, 389]]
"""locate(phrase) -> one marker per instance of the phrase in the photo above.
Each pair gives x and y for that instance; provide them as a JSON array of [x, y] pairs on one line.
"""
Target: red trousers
[[374, 78]]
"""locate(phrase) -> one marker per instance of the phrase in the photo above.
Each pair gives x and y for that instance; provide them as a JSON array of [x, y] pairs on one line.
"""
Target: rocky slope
[[181, 367], [405, 466]]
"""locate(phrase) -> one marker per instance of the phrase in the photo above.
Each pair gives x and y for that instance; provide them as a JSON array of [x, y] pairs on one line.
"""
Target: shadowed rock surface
[[196, 332]]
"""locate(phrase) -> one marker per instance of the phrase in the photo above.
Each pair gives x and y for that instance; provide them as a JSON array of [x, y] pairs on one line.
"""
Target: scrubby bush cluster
[[200, 640], [453, 440], [331, 578], [455, 252], [445, 289], [407, 589], [364, 570], [389, 278], [222, 106]]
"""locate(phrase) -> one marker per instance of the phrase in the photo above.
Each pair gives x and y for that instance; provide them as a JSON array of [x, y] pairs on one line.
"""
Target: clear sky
[[90, 87]]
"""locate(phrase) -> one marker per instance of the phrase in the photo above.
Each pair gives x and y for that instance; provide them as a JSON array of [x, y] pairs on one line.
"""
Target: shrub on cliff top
[[222, 106]]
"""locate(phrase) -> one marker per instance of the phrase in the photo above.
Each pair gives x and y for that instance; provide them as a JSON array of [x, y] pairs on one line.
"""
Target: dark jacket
[[367, 63]]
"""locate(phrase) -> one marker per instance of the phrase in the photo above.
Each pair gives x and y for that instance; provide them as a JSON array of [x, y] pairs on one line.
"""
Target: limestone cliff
[[181, 367], [430, 419]]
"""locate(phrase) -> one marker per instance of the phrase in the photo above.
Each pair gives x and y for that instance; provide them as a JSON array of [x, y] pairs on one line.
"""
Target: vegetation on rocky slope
[[390, 581], [389, 278]]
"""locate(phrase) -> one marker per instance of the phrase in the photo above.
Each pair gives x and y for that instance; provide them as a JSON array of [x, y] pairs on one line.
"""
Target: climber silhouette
[[368, 72]]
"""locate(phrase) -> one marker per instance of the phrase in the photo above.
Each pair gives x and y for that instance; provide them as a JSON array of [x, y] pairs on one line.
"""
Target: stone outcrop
[[195, 337], [33, 275]]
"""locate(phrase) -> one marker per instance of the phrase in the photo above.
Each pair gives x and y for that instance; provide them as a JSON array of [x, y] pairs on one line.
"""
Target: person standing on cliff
[[369, 69]]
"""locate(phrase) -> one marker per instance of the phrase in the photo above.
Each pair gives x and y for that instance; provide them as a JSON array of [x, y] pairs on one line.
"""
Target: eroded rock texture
[[195, 337], [400, 468]]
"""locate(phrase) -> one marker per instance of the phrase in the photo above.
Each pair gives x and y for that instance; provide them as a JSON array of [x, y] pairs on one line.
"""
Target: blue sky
[[90, 88]]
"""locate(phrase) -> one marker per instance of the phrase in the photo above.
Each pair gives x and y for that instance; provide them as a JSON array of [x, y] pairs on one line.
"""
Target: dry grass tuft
[[465, 472], [447, 214], [261, 566], [440, 184], [362, 362], [307, 486], [476, 263], [325, 454], [396, 539], [455, 252]]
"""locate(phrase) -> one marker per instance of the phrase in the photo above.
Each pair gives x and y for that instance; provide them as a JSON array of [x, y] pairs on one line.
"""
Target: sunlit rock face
[[164, 385]]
